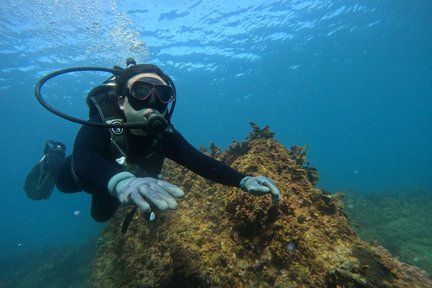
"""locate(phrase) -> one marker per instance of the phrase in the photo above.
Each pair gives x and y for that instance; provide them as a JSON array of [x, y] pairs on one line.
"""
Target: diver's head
[[145, 93]]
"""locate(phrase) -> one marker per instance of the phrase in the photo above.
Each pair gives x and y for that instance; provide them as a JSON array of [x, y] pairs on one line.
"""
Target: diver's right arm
[[90, 164]]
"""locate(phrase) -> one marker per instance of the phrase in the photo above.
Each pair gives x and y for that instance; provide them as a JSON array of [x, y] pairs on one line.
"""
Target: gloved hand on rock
[[260, 185]]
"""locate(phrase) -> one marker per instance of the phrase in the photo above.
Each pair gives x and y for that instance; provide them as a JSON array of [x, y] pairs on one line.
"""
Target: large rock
[[222, 237]]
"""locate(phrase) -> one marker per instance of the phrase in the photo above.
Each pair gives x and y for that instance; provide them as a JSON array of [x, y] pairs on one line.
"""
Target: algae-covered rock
[[222, 237]]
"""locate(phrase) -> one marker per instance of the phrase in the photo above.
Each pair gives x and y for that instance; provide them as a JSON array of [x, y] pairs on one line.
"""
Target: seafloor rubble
[[222, 237], [400, 220]]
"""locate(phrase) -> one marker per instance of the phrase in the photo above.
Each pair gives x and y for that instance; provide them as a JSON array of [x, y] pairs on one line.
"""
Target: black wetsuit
[[94, 164]]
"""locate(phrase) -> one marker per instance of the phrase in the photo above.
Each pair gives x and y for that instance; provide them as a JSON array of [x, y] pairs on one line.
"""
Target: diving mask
[[140, 93]]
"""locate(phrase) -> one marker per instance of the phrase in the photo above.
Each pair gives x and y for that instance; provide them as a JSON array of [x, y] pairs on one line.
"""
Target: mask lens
[[164, 93], [141, 90]]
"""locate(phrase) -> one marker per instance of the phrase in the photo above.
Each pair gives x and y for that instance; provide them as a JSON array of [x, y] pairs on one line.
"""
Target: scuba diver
[[119, 164]]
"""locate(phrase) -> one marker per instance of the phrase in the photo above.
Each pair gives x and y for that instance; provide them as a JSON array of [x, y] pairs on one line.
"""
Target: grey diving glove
[[144, 192], [260, 185]]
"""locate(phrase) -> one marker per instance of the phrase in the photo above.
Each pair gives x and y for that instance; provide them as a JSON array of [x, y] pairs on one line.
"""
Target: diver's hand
[[260, 185], [144, 192]]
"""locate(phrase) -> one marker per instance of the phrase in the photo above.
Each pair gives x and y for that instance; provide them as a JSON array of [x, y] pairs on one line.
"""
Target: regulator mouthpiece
[[155, 123]]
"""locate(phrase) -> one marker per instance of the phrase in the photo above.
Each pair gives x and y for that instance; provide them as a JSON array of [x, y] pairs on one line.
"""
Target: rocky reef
[[222, 237]]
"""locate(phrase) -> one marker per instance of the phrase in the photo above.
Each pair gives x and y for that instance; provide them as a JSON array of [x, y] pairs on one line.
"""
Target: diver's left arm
[[178, 149]]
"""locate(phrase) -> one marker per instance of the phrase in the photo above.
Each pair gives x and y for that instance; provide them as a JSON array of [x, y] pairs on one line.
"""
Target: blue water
[[351, 79]]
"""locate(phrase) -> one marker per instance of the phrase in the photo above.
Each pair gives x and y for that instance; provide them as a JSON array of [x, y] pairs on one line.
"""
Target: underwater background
[[351, 79]]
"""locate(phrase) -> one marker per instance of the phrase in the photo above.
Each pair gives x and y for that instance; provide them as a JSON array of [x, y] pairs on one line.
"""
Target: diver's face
[[136, 110]]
